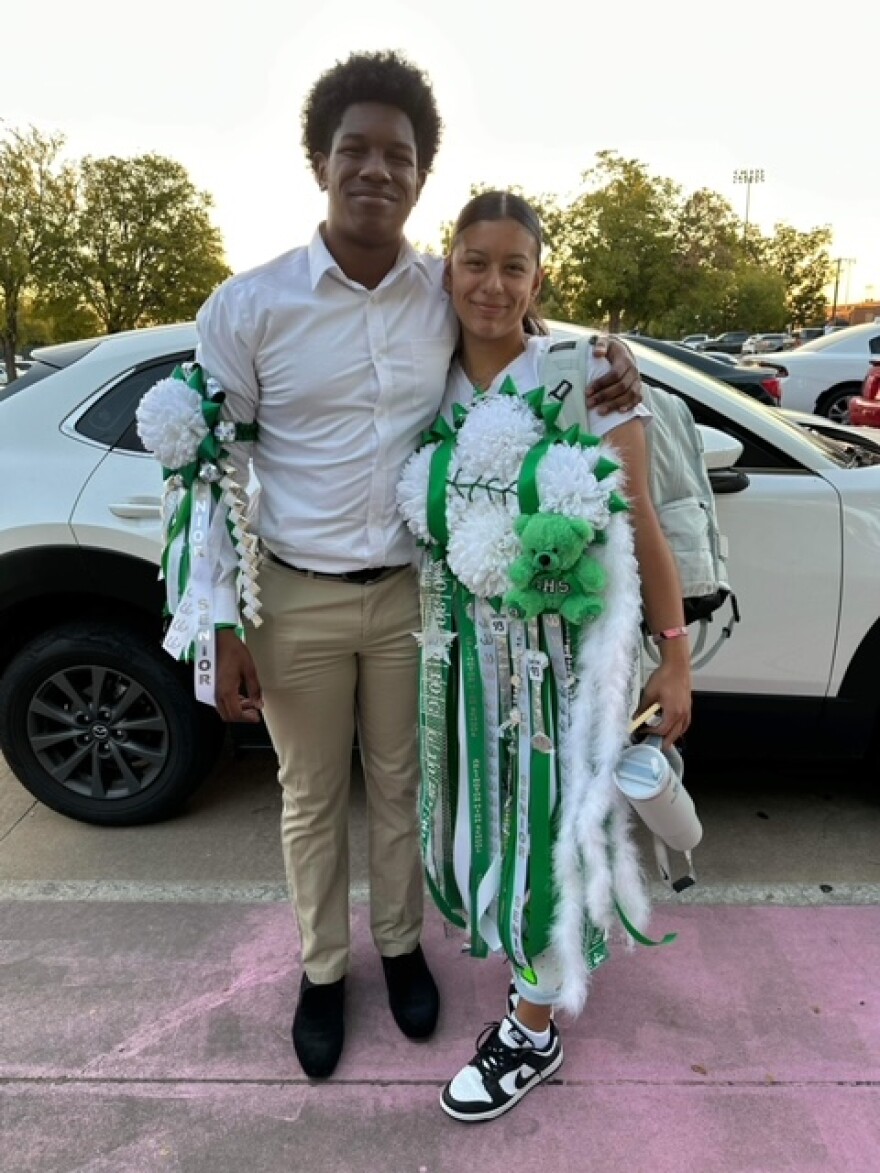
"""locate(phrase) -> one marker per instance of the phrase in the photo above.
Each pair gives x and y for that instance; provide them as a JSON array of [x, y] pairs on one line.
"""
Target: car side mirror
[[719, 449]]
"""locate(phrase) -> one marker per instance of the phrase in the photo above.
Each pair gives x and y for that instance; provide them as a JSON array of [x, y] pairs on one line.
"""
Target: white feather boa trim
[[596, 863]]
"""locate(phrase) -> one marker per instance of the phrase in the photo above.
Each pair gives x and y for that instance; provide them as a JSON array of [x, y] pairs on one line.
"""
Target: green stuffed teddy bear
[[554, 573]]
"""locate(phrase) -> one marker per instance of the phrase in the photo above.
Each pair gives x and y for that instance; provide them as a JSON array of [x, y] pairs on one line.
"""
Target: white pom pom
[[412, 491], [482, 547], [170, 422], [568, 485], [498, 432]]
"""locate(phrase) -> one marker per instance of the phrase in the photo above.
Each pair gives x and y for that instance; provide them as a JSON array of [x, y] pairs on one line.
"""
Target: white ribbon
[[193, 622]]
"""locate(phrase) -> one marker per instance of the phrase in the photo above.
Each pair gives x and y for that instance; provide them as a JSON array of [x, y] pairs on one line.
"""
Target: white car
[[766, 343], [99, 723], [823, 375]]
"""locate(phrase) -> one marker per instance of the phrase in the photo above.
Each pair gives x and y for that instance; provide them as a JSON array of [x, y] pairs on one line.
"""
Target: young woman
[[525, 703]]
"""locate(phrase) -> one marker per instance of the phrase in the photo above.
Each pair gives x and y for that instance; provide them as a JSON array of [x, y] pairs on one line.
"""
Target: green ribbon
[[543, 819], [527, 484], [595, 946], [640, 937], [438, 751], [540, 909], [437, 477], [476, 764], [516, 827]]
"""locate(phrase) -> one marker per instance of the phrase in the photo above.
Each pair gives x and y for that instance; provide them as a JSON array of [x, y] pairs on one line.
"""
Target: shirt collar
[[321, 261]]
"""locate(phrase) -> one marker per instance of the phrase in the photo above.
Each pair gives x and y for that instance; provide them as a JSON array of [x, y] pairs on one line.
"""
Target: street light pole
[[838, 261], [748, 176]]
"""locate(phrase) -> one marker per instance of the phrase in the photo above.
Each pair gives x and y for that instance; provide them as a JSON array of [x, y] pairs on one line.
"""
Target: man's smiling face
[[371, 175]]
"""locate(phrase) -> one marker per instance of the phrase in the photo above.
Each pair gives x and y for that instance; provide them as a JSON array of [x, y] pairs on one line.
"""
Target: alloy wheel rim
[[838, 412], [98, 732]]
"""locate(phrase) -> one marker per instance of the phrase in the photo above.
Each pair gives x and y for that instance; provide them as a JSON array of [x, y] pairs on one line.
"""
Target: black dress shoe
[[319, 1027], [412, 993]]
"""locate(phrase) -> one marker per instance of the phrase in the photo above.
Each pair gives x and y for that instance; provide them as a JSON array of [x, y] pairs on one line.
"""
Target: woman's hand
[[619, 389], [669, 686]]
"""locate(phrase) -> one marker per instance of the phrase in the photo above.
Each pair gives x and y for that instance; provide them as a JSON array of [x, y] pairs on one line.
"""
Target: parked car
[[694, 339], [758, 382], [806, 334], [730, 343], [864, 408], [822, 376], [100, 724], [730, 359], [766, 343], [21, 365]]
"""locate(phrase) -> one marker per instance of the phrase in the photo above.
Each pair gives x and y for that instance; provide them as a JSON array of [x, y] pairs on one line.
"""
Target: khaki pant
[[330, 654]]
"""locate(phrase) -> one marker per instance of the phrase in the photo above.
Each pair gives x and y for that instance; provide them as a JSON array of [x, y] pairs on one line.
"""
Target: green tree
[[614, 246], [803, 261], [146, 251], [631, 252], [37, 193], [48, 318], [755, 300], [707, 247]]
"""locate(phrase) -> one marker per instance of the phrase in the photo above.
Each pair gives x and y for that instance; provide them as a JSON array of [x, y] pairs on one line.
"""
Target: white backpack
[[680, 488]]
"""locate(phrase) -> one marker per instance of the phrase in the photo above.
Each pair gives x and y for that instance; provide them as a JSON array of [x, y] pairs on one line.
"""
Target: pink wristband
[[669, 633]]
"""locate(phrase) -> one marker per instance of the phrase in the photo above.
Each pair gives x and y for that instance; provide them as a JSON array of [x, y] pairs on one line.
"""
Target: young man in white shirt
[[339, 351]]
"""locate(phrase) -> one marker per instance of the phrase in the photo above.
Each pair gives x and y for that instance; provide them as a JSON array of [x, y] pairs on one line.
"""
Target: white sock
[[540, 1039]]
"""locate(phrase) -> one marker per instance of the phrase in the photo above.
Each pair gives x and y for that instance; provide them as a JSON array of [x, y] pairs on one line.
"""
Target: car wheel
[[834, 405], [98, 724]]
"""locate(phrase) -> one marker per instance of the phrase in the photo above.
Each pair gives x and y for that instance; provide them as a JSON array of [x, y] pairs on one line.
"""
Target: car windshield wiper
[[857, 456], [851, 455]]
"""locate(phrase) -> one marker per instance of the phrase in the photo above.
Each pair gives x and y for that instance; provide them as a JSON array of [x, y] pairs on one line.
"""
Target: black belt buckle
[[366, 576]]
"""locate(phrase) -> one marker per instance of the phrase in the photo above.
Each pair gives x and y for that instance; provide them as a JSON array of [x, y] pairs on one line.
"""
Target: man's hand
[[238, 695], [621, 388]]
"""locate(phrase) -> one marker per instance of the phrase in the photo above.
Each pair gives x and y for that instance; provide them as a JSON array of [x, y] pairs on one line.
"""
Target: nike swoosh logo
[[521, 1081]]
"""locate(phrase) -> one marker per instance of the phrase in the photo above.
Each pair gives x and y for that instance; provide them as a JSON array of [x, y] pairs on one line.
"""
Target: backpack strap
[[566, 370], [678, 482]]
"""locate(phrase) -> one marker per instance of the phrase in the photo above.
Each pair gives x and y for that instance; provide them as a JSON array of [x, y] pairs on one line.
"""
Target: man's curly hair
[[385, 77]]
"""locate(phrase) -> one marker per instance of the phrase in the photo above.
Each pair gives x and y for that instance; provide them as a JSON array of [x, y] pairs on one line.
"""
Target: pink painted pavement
[[156, 1036]]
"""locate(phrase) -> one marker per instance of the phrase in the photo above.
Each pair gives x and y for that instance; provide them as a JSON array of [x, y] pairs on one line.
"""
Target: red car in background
[[864, 409]]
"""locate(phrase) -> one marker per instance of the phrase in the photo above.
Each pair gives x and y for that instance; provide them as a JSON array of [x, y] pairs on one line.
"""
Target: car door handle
[[138, 507], [728, 480]]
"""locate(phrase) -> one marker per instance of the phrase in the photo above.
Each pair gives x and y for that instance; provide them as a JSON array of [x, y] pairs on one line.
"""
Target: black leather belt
[[365, 577]]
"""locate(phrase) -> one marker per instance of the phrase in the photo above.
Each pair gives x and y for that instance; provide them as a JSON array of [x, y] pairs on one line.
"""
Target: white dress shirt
[[341, 380]]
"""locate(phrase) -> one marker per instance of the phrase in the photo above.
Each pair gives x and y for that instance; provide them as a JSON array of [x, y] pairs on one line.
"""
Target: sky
[[528, 92]]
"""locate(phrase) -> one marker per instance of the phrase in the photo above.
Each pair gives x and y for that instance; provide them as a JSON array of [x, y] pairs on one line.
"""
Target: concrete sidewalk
[[155, 1036]]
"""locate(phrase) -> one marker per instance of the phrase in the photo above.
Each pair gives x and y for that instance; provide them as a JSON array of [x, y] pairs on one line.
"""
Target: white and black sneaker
[[505, 1067]]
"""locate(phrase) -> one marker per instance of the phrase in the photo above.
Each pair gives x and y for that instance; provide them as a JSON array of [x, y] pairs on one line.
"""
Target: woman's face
[[493, 277]]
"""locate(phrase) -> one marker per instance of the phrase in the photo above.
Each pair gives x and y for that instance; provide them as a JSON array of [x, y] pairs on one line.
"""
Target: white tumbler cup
[[651, 779]]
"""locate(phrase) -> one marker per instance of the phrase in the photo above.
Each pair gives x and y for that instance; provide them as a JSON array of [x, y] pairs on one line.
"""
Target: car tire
[[99, 725], [834, 404]]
